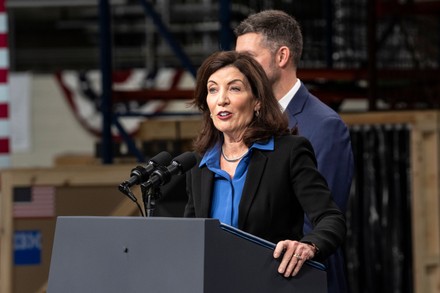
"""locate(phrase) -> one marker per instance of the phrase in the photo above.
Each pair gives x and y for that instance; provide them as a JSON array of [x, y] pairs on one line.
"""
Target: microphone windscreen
[[163, 158], [186, 161]]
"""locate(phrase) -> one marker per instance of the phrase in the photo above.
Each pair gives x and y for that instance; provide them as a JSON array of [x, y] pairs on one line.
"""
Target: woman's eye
[[212, 90], [235, 88]]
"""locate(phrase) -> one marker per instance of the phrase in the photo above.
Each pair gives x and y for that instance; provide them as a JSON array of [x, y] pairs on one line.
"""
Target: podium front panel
[[127, 254]]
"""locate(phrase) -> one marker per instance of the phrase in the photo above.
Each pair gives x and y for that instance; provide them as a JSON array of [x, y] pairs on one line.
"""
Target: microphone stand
[[149, 197]]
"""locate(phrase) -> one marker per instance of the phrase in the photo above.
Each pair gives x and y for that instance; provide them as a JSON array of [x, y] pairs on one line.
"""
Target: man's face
[[252, 44]]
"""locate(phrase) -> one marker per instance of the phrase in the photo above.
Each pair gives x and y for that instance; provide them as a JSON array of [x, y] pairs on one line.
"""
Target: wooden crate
[[172, 135], [425, 193], [80, 190], [172, 129]]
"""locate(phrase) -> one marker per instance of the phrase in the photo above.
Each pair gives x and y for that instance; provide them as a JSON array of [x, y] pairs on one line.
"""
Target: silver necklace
[[235, 159]]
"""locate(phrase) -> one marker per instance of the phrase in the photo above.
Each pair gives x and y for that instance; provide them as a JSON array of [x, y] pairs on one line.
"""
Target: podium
[[167, 255]]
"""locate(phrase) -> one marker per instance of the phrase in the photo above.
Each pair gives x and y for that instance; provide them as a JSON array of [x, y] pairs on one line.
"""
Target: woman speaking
[[252, 173]]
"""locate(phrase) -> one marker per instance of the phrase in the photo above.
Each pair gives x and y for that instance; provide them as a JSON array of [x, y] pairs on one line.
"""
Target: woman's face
[[230, 101]]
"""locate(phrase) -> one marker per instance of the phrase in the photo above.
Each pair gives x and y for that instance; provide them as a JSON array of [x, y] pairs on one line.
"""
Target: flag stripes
[[34, 202], [5, 160]]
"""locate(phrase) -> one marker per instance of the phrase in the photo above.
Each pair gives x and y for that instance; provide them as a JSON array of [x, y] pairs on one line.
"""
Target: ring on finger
[[297, 256]]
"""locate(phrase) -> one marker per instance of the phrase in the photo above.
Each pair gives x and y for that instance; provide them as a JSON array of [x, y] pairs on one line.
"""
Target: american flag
[[34, 202]]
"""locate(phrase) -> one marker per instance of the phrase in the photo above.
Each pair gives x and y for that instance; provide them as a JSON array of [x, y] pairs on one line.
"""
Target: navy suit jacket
[[281, 186], [330, 139]]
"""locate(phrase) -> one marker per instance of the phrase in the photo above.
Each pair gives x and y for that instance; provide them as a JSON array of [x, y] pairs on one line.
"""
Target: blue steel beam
[[149, 10], [225, 24], [106, 82]]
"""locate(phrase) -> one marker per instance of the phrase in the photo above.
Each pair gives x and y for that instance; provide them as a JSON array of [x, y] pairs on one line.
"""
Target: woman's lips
[[223, 115]]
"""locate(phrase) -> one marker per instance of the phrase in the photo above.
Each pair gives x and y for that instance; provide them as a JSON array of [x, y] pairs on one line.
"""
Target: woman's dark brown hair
[[270, 120]]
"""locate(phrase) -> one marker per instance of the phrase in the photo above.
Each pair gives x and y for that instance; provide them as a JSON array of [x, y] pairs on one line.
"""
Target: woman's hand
[[294, 255]]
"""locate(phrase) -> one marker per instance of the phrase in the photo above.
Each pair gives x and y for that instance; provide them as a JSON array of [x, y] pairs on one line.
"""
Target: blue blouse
[[227, 191]]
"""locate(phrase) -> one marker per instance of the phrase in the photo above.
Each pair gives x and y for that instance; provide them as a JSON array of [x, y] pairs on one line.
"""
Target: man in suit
[[274, 39]]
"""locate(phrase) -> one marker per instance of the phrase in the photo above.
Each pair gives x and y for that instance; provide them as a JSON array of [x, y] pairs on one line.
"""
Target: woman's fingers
[[294, 254]]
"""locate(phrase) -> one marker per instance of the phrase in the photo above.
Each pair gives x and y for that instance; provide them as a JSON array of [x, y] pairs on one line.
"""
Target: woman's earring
[[257, 113], [210, 115]]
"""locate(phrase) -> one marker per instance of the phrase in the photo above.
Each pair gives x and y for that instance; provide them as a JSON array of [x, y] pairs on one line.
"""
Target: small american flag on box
[[34, 202]]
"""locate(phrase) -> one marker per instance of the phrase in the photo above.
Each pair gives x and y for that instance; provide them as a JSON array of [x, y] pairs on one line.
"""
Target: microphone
[[140, 174], [178, 166]]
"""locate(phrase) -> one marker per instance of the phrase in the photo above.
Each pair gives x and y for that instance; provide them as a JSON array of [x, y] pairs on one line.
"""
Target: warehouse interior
[[376, 62]]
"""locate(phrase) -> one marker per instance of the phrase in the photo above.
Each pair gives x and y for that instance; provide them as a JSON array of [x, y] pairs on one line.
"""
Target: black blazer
[[280, 186]]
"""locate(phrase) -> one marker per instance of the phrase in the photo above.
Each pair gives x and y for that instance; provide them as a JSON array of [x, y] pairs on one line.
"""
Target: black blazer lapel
[[207, 178], [253, 179]]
